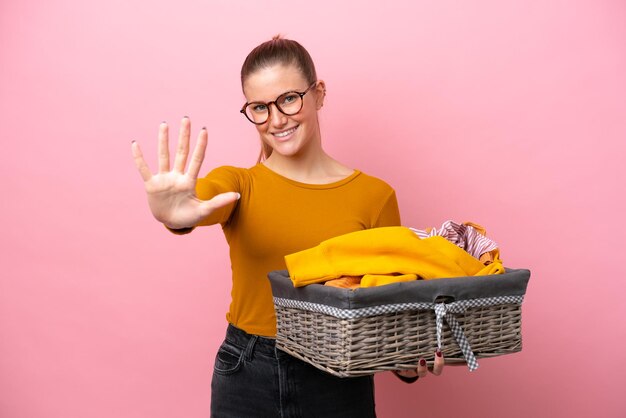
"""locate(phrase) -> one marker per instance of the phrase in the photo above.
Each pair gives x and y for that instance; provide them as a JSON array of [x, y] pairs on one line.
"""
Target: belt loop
[[250, 347]]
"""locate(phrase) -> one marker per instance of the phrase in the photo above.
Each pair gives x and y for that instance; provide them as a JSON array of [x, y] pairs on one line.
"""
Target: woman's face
[[287, 135]]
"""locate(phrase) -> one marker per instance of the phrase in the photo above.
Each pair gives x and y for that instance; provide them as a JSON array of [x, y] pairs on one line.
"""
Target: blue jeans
[[252, 378]]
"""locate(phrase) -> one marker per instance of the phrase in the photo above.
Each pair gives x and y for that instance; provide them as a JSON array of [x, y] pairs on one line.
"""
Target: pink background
[[511, 114]]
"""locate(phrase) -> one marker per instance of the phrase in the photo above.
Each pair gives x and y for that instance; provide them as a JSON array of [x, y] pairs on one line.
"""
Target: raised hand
[[172, 193]]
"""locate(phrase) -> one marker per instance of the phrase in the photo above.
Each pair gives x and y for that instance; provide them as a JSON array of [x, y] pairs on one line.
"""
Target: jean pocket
[[229, 359]]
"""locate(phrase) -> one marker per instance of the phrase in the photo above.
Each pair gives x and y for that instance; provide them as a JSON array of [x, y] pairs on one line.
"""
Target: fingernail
[[132, 142], [238, 195], [438, 353], [422, 362]]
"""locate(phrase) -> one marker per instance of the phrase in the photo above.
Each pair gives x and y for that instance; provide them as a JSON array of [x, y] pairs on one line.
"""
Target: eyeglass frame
[[301, 94]]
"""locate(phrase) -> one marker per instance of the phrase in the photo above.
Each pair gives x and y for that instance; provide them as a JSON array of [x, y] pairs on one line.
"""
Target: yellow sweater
[[384, 251], [277, 216]]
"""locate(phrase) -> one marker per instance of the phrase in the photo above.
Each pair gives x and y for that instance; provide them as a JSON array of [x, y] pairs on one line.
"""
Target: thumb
[[221, 200], [439, 362]]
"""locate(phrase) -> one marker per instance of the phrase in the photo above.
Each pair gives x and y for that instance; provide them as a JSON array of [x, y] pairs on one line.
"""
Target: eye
[[290, 98], [258, 107]]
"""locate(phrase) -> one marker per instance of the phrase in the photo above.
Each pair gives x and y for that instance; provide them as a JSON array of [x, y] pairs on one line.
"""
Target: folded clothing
[[384, 251]]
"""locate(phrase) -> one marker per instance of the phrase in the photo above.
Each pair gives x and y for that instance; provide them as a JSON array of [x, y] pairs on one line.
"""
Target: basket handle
[[444, 299]]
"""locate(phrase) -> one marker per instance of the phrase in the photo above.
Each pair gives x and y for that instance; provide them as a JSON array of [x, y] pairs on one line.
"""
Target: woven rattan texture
[[356, 347]]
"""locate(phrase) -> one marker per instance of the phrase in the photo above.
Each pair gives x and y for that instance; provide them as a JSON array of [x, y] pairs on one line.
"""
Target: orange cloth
[[345, 282], [371, 280]]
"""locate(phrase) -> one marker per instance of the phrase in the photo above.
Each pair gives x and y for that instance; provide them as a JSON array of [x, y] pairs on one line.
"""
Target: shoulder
[[229, 173], [374, 183], [227, 170], [386, 210], [222, 179]]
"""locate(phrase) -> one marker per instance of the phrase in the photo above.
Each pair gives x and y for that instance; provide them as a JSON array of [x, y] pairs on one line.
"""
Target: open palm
[[172, 193]]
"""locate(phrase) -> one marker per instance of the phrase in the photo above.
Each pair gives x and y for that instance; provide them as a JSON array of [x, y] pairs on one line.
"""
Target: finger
[[182, 150], [407, 376], [140, 162], [219, 201], [407, 373], [164, 149], [198, 154], [439, 362], [422, 368]]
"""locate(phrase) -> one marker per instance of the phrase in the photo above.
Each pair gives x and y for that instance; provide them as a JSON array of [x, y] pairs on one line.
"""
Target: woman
[[294, 198]]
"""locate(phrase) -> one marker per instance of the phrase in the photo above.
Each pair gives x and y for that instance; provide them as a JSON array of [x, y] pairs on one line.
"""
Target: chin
[[287, 149]]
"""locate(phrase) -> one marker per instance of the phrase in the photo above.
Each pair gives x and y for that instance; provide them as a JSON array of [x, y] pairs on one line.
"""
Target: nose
[[276, 117]]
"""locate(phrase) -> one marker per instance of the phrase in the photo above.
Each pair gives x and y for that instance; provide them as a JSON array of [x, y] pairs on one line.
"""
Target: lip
[[285, 138]]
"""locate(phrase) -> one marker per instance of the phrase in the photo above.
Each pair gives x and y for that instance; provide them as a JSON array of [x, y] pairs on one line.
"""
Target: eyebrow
[[296, 90]]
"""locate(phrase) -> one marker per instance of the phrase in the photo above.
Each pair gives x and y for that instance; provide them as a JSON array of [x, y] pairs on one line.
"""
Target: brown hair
[[278, 51]]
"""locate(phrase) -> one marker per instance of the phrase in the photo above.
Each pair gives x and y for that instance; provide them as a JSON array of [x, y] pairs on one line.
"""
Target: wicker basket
[[368, 330]]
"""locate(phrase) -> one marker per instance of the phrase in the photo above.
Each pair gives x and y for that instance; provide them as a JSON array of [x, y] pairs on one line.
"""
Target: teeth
[[283, 134]]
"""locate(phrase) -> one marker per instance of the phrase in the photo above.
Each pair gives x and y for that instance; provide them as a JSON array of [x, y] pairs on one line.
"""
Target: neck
[[306, 167], [312, 167]]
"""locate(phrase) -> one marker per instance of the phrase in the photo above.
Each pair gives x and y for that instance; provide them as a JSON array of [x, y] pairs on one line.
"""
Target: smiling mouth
[[285, 133]]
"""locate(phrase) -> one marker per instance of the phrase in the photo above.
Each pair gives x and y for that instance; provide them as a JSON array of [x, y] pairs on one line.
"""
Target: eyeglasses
[[288, 103]]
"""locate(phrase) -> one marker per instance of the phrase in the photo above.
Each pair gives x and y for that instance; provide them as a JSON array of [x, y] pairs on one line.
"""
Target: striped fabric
[[465, 236]]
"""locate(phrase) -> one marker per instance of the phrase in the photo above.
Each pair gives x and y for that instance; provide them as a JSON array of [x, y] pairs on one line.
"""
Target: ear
[[320, 93]]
